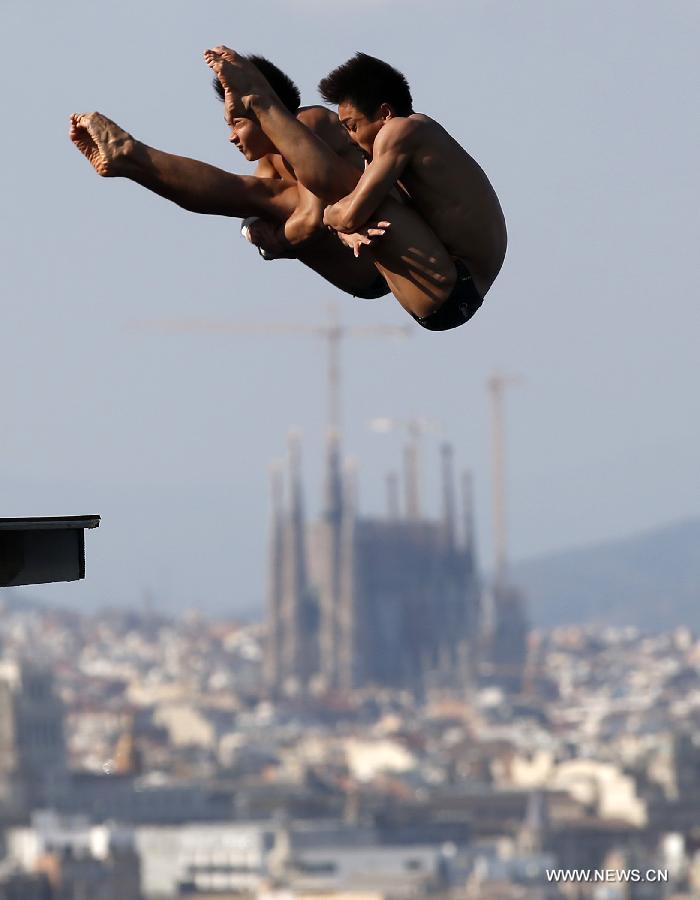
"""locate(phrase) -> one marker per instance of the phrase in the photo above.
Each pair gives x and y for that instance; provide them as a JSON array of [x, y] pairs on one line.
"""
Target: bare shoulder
[[400, 131], [317, 118], [266, 168], [423, 126], [431, 131]]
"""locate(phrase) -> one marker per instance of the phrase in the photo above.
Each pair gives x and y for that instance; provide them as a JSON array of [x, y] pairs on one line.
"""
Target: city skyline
[[149, 748]]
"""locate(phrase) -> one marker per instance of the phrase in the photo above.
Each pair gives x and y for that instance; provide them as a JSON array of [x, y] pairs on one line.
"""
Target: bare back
[[451, 192]]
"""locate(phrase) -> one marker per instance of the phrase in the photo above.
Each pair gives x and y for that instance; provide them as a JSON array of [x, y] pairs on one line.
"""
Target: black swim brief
[[378, 288], [459, 307]]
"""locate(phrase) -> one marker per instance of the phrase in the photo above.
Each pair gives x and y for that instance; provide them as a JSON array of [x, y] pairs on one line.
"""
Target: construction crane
[[415, 429], [333, 333], [497, 385]]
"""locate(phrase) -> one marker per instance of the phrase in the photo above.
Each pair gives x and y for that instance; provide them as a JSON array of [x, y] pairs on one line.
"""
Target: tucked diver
[[441, 262]]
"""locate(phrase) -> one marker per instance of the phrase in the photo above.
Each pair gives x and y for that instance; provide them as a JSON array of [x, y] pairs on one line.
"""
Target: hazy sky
[[583, 115]]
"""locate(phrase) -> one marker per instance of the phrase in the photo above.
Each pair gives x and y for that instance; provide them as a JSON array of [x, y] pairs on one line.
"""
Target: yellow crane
[[333, 332]]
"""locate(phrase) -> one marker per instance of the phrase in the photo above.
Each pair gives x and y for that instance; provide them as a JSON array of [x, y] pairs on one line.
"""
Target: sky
[[584, 118]]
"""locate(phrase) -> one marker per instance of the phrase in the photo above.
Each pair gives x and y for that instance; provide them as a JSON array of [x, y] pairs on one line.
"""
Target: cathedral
[[357, 602]]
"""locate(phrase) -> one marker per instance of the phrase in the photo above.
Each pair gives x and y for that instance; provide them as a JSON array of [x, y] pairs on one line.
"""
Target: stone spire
[[275, 579], [448, 501], [333, 488], [296, 510], [331, 541], [392, 496], [411, 485], [348, 661], [468, 513], [295, 585]]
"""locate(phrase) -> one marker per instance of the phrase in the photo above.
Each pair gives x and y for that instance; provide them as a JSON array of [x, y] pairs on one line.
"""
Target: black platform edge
[[35, 523]]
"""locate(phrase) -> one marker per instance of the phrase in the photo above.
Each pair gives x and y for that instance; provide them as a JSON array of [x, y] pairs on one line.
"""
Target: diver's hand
[[364, 237]]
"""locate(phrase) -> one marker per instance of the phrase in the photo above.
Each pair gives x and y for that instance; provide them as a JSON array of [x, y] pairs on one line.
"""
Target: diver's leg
[[334, 262], [193, 185], [416, 264], [315, 165]]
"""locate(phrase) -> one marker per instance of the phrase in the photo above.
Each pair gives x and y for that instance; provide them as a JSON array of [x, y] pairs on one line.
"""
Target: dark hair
[[280, 83], [367, 82]]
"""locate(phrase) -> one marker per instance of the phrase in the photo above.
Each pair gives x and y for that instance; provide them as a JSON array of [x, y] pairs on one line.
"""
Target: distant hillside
[[651, 580]]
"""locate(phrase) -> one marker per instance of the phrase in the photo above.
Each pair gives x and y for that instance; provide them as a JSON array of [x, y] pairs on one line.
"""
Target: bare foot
[[104, 144], [242, 82]]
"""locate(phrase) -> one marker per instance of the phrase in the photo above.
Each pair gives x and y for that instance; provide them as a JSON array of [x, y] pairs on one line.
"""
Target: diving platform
[[43, 549]]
